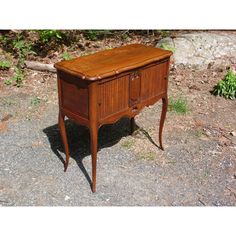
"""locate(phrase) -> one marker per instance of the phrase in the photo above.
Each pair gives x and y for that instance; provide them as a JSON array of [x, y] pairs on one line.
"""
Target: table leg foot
[[61, 123], [163, 116]]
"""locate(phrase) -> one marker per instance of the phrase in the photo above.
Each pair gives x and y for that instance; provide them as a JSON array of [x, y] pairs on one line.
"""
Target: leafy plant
[[164, 33], [227, 86], [17, 78], [96, 34], [3, 39], [23, 49], [5, 64], [127, 143], [8, 82], [178, 106], [125, 36], [167, 47], [149, 156], [92, 35], [66, 56], [48, 35], [35, 101]]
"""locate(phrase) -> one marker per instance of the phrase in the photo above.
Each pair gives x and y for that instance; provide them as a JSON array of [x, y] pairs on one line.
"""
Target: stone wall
[[201, 50]]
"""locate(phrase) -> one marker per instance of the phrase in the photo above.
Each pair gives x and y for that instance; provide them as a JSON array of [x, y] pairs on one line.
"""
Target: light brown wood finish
[[93, 126], [101, 88], [111, 62]]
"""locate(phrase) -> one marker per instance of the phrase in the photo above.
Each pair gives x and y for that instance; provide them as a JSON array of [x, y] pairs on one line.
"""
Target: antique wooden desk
[[101, 88]]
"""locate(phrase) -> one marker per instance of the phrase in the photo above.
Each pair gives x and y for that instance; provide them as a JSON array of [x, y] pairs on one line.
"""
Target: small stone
[[194, 87], [210, 65], [67, 198], [233, 133]]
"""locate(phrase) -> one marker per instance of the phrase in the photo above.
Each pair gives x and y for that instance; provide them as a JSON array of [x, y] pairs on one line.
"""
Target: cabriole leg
[[163, 116], [61, 123]]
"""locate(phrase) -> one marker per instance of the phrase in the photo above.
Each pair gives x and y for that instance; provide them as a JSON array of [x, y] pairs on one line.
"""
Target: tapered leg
[[61, 123], [93, 126], [93, 147], [163, 116], [132, 125]]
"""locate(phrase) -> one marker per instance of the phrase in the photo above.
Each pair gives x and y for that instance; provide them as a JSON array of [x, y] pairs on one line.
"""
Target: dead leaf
[[3, 126], [7, 117]]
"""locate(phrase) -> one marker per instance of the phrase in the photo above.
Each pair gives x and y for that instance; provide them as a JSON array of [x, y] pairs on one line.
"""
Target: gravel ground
[[191, 171], [197, 168]]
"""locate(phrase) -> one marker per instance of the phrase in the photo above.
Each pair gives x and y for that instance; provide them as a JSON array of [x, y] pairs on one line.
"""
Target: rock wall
[[201, 50]]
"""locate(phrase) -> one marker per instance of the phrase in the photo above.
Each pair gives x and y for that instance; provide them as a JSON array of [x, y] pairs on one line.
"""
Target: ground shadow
[[79, 140]]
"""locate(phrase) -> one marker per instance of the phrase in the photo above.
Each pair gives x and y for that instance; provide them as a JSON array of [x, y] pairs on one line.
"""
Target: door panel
[[153, 80], [113, 96]]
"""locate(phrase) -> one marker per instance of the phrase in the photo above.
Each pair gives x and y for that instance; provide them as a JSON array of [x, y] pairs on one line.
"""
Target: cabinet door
[[154, 80], [113, 96]]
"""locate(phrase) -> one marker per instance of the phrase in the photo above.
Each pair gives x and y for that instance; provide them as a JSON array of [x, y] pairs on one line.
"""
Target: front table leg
[[93, 148], [61, 123], [93, 127], [163, 116]]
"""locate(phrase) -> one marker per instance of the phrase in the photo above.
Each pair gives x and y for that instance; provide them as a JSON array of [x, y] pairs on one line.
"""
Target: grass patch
[[35, 101], [199, 133], [149, 156], [66, 56], [127, 143], [178, 106], [5, 65]]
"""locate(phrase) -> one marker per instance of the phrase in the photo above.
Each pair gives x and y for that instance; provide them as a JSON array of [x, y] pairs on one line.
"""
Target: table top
[[113, 61]]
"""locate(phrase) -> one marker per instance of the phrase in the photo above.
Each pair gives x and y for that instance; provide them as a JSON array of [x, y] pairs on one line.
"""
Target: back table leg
[[61, 123], [163, 116]]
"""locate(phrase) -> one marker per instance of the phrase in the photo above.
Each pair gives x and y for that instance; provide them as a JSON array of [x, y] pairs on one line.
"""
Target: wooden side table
[[101, 88]]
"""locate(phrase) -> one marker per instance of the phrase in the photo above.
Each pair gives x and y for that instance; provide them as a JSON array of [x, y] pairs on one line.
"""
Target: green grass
[[178, 106], [199, 133], [17, 79], [149, 156], [66, 56], [35, 101], [5, 64], [127, 144]]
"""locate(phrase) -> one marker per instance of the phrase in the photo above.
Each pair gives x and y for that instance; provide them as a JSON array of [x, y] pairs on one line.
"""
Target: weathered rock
[[202, 50]]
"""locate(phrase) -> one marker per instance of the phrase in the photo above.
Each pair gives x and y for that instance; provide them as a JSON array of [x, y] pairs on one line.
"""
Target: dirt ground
[[198, 166]]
